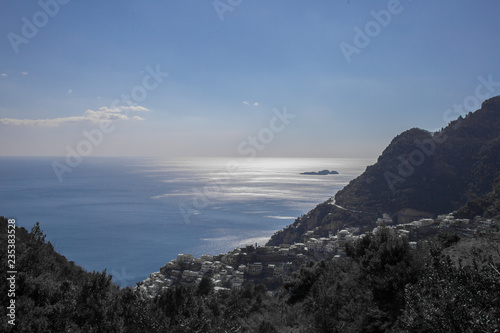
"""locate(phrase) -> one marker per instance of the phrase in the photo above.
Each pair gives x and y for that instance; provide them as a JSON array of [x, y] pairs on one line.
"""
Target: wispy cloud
[[24, 73], [134, 108], [4, 75], [248, 103], [70, 91], [103, 114]]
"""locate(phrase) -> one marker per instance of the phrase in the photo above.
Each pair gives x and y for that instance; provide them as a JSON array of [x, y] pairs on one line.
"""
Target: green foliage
[[266, 327], [487, 206], [383, 286], [387, 264], [453, 299], [447, 239], [37, 235], [364, 293], [458, 164], [301, 282], [205, 286]]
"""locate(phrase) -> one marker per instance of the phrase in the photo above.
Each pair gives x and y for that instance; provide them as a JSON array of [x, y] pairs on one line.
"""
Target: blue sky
[[232, 66]]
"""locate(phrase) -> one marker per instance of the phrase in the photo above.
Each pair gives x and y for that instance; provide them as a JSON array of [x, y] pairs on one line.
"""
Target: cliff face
[[420, 174]]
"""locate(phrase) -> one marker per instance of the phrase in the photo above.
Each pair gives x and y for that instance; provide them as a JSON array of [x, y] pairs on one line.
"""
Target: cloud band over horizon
[[103, 114]]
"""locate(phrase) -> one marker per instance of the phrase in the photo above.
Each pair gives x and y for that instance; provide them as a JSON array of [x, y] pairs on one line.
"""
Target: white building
[[206, 266], [255, 268], [184, 258], [207, 257]]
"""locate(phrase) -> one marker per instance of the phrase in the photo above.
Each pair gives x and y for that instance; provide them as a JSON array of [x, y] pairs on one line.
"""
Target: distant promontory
[[321, 173]]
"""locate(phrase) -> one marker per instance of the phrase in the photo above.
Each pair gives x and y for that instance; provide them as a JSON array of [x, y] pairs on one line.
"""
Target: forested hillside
[[383, 286], [420, 174]]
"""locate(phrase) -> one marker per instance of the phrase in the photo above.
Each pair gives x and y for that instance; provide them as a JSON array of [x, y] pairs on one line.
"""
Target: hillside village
[[269, 264]]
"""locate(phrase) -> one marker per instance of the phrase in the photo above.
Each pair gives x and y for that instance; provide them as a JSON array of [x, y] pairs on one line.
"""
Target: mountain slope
[[487, 206], [420, 174], [431, 173]]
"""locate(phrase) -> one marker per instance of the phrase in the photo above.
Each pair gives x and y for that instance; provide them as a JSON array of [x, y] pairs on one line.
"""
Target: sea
[[130, 216]]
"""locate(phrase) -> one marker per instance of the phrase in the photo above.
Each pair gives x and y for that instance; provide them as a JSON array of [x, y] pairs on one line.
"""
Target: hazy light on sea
[[267, 178], [125, 213]]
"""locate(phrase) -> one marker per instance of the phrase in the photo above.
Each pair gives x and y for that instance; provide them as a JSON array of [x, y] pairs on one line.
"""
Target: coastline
[[110, 213]]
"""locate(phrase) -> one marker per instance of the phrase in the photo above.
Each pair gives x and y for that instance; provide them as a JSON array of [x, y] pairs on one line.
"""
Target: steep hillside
[[324, 218], [48, 293], [487, 206], [420, 174]]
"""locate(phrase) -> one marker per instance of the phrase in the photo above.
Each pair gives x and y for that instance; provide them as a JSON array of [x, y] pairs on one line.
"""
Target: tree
[[453, 299], [37, 235], [205, 286]]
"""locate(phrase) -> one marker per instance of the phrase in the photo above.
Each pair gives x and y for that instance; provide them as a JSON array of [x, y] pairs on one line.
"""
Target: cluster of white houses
[[466, 227], [188, 270], [334, 244], [231, 270]]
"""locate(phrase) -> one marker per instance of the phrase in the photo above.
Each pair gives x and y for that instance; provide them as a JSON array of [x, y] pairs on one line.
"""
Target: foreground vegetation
[[383, 286]]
